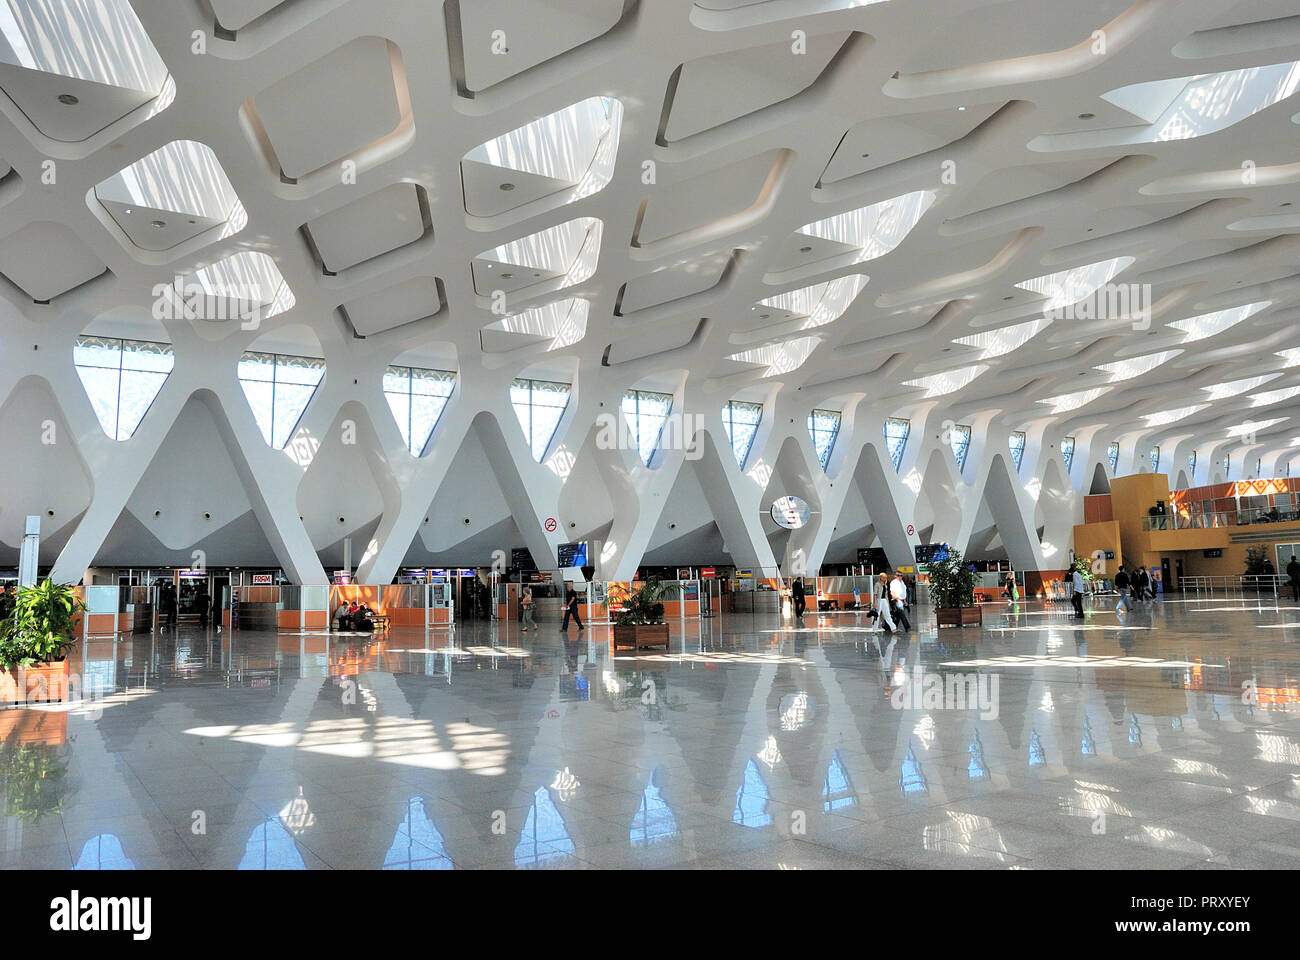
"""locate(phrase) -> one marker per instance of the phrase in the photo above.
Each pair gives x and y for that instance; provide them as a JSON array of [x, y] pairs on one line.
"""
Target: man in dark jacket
[[571, 608], [1121, 588], [797, 597], [1143, 582], [1293, 571]]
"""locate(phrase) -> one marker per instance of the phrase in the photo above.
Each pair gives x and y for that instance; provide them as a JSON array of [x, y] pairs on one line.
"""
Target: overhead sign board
[[521, 559], [931, 552], [571, 554], [708, 573], [791, 512], [263, 579]]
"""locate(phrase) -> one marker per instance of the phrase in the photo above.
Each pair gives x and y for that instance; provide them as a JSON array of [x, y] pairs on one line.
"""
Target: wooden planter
[[959, 616], [640, 635], [43, 682]]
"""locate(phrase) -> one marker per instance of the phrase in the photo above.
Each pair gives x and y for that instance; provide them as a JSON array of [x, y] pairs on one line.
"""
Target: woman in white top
[[880, 595]]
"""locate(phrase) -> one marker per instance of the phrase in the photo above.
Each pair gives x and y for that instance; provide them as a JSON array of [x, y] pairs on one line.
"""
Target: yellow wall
[[1099, 536]]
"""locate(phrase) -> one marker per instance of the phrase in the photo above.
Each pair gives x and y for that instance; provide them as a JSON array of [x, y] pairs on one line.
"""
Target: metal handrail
[[1239, 583], [1201, 520]]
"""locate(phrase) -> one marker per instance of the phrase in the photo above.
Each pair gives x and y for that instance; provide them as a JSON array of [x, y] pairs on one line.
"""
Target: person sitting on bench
[[344, 616]]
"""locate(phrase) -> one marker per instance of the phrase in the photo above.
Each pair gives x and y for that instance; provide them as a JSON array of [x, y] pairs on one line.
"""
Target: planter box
[[42, 682], [640, 635], [959, 616]]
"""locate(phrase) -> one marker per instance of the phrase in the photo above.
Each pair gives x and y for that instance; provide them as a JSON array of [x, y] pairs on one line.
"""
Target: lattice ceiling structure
[[949, 212]]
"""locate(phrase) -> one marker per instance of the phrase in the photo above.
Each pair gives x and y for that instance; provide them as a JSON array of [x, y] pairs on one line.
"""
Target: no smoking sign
[[551, 524], [911, 530]]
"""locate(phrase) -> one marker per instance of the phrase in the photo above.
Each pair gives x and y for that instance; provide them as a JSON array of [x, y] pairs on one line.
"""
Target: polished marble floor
[[1169, 738]]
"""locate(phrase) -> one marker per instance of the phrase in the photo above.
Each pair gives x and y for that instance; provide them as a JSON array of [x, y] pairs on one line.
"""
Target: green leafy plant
[[952, 582], [642, 606], [1084, 566], [34, 781], [42, 625]]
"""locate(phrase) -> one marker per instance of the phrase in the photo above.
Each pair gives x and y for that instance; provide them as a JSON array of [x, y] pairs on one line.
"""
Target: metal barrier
[[1236, 585]]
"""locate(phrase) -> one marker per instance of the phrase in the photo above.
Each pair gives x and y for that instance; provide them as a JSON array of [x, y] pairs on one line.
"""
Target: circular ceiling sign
[[791, 512]]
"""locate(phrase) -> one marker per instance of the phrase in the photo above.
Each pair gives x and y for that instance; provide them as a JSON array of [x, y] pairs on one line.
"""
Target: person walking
[[1293, 571], [1121, 587], [526, 607], [880, 597], [797, 598], [1076, 596], [571, 609], [898, 598]]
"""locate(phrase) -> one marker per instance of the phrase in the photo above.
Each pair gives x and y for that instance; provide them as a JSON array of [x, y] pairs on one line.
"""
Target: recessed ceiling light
[[805, 249], [127, 210], [1008, 298], [68, 99], [1287, 204], [961, 108], [157, 224], [506, 276], [865, 155], [1086, 116], [507, 186]]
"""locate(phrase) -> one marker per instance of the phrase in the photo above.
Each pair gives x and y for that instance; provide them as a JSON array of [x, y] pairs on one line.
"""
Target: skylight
[[1212, 102], [1251, 427], [1222, 391], [997, 343], [875, 229], [100, 41], [567, 251], [1068, 287], [1209, 324], [572, 149], [1273, 396], [814, 306], [1066, 402], [940, 384], [779, 357], [246, 286], [1016, 443], [564, 321], [1136, 366], [1170, 416]]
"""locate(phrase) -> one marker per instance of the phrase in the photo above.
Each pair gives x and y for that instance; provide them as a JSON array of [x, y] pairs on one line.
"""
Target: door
[[1165, 578], [1178, 575]]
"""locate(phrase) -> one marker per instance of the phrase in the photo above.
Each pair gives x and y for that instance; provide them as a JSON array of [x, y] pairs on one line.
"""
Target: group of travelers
[[1139, 585], [355, 616], [889, 603]]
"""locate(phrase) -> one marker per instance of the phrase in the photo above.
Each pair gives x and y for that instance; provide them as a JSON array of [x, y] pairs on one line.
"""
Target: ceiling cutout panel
[[235, 15], [46, 259], [668, 336], [420, 298], [498, 39], [736, 14], [713, 204], [675, 282], [384, 221], [711, 91], [553, 259], [173, 195], [76, 66], [562, 157], [561, 323], [329, 110], [881, 141]]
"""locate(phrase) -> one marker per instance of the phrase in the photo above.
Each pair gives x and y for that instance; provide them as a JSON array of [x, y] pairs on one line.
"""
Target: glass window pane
[[138, 390], [1017, 444], [539, 405], [101, 387], [740, 419], [258, 393], [122, 378], [896, 433]]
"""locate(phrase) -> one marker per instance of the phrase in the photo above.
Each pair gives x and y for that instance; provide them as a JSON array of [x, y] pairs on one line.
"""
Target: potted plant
[[952, 591], [640, 621], [35, 641]]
